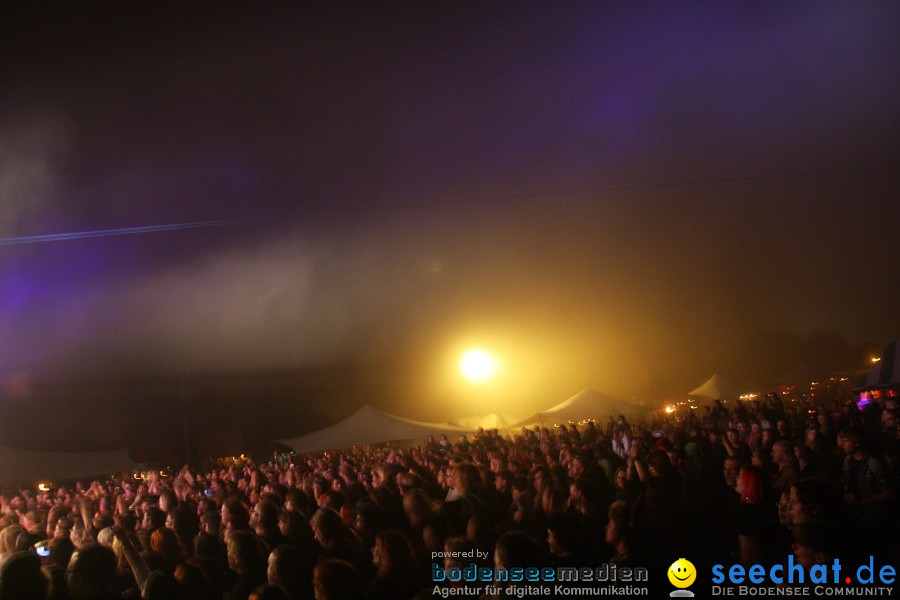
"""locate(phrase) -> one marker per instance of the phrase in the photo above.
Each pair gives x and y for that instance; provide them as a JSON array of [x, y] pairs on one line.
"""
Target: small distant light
[[44, 487], [875, 360], [669, 409]]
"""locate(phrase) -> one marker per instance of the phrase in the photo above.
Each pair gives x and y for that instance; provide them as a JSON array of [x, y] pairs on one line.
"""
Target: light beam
[[80, 235]]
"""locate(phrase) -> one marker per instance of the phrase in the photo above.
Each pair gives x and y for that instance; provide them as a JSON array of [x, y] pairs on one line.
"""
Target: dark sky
[[630, 196]]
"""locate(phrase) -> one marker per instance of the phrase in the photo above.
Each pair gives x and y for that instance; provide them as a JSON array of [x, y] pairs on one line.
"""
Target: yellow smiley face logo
[[682, 573]]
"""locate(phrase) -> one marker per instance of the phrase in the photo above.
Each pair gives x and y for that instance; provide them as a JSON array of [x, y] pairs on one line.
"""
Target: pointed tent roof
[[368, 425], [492, 420], [586, 404], [715, 388], [19, 466], [886, 372]]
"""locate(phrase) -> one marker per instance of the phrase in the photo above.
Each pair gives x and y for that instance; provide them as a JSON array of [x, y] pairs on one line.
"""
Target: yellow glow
[[477, 365], [875, 360], [536, 367], [43, 486], [669, 409]]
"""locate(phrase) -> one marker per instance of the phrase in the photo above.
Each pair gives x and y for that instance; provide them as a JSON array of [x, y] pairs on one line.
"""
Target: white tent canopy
[[715, 388], [368, 425], [586, 404], [492, 420], [21, 466], [886, 372]]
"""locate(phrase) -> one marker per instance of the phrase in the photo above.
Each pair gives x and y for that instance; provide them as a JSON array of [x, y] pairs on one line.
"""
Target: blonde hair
[[8, 538], [106, 537]]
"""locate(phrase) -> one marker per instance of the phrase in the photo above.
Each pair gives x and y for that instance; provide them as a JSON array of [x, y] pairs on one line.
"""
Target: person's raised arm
[[138, 565], [181, 487], [634, 467], [640, 469], [188, 475], [138, 496], [121, 505], [289, 476], [153, 487], [86, 507], [729, 448], [53, 518]]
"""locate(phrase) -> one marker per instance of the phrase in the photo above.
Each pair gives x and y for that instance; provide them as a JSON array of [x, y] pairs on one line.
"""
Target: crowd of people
[[747, 483]]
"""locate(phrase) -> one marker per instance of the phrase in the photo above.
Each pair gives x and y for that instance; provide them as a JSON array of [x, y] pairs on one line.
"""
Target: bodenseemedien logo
[[682, 574]]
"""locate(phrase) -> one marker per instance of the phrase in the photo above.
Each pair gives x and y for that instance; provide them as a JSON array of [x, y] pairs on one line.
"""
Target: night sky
[[628, 196]]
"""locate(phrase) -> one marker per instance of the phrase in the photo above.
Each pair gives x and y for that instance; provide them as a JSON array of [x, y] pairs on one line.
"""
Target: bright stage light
[[477, 365]]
